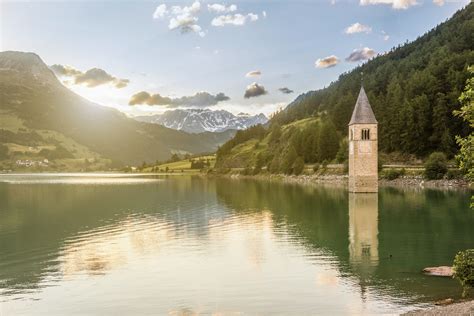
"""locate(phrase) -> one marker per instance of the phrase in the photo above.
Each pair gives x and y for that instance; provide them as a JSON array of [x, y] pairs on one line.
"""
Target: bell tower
[[363, 153]]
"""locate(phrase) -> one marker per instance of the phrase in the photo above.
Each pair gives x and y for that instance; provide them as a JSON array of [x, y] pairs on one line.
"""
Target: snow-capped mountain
[[204, 120]]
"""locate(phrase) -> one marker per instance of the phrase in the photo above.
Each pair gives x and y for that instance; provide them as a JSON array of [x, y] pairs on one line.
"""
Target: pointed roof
[[363, 113]]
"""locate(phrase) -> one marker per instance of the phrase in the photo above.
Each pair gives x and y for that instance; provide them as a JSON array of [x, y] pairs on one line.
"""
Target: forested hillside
[[413, 90]]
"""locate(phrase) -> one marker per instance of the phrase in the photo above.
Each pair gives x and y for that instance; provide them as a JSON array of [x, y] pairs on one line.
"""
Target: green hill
[[413, 90], [41, 119]]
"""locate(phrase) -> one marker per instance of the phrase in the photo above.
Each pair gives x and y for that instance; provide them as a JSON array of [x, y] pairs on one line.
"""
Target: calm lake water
[[132, 245]]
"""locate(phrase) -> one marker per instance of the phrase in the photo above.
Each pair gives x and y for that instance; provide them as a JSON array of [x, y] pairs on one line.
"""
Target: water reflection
[[363, 236], [363, 230]]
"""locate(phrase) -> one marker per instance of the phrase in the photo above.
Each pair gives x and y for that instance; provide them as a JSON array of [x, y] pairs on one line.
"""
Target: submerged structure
[[363, 153]]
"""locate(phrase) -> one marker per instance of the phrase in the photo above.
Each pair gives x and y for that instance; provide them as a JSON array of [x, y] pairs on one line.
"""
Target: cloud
[[327, 62], [386, 37], [160, 11], [253, 73], [182, 18], [64, 70], [285, 90], [200, 99], [439, 2], [396, 4], [358, 28], [91, 78], [144, 97], [254, 90], [264, 14], [234, 19], [221, 8], [361, 54]]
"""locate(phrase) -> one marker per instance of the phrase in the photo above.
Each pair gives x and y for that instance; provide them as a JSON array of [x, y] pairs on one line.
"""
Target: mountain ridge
[[204, 120], [32, 95]]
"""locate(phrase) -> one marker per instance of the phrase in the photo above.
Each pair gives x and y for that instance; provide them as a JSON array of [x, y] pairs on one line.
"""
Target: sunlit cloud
[[358, 28], [396, 4], [234, 19], [361, 54], [221, 8], [327, 62], [200, 99], [91, 78]]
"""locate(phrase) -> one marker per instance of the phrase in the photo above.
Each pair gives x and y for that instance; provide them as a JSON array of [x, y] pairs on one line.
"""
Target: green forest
[[414, 90]]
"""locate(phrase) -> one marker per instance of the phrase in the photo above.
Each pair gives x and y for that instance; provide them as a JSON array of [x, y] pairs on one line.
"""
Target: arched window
[[365, 134]]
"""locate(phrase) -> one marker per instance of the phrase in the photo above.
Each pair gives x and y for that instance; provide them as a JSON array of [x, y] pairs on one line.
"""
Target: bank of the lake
[[333, 179]]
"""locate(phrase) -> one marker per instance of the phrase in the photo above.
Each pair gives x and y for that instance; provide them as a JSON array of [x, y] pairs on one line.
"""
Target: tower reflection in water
[[363, 235]]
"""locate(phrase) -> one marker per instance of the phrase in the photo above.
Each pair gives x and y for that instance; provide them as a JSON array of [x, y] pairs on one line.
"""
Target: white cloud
[[191, 10], [327, 62], [386, 37], [160, 11], [183, 18], [396, 4], [361, 54], [221, 8], [234, 19], [253, 73], [264, 14], [439, 2], [358, 28]]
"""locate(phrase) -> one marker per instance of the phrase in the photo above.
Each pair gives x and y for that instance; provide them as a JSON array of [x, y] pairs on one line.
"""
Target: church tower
[[363, 154]]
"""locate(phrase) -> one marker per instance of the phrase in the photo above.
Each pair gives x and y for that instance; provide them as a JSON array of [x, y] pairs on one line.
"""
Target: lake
[[147, 244]]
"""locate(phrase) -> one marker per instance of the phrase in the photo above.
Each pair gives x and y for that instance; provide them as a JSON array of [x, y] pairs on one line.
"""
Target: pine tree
[[328, 141], [288, 160], [298, 166]]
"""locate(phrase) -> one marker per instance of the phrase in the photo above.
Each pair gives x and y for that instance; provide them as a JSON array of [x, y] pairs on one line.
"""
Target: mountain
[[413, 90], [204, 120], [41, 118]]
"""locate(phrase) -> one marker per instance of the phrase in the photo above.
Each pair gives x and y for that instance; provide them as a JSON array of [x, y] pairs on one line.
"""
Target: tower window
[[365, 134], [352, 133]]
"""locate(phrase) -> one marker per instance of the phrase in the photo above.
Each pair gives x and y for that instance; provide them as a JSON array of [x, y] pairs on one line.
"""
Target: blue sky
[[184, 50]]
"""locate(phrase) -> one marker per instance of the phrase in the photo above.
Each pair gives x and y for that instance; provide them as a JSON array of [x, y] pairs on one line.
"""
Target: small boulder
[[444, 271], [446, 301]]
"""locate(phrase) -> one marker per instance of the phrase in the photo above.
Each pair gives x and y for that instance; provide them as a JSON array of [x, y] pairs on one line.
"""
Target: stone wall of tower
[[363, 155]]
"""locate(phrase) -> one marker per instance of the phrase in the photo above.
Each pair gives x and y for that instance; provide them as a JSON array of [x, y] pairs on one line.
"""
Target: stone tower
[[363, 153]]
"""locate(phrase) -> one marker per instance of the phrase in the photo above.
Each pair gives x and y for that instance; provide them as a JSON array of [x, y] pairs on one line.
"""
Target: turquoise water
[[108, 244]]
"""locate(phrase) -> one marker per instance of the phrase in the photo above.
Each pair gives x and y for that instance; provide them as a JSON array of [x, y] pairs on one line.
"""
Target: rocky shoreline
[[455, 309], [341, 180]]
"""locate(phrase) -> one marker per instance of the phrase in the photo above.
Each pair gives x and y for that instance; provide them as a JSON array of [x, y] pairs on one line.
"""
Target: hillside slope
[[35, 101], [413, 90]]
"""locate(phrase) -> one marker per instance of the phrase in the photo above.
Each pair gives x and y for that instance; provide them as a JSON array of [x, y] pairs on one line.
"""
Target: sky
[[146, 57]]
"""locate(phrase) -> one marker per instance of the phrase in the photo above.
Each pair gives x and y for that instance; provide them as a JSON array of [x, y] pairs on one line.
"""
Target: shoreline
[[341, 180], [320, 179]]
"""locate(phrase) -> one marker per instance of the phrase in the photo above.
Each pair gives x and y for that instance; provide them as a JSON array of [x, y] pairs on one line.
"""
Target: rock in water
[[439, 271]]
